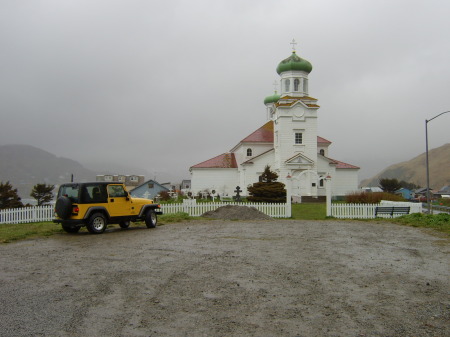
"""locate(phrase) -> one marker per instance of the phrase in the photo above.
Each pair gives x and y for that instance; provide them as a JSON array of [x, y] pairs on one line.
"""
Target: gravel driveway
[[229, 278]]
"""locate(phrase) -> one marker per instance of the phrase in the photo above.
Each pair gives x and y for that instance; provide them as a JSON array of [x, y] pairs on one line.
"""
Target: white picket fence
[[277, 210], [367, 211], [46, 213], [27, 214]]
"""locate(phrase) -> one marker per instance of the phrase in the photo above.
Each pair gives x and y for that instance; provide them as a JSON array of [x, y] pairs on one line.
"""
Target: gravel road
[[229, 278]]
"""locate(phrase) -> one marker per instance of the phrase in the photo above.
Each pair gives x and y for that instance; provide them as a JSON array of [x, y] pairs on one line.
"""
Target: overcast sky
[[164, 85]]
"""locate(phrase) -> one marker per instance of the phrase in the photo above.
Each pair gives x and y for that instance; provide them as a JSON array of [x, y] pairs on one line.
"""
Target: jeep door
[[118, 201]]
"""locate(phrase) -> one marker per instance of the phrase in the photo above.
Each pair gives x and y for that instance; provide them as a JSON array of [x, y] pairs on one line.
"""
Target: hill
[[25, 166], [414, 170]]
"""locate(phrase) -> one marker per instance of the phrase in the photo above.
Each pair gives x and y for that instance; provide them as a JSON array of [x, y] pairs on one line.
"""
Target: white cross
[[293, 43], [275, 85]]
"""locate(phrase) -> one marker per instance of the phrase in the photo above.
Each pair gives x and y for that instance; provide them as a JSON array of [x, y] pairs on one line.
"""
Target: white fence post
[[328, 193]]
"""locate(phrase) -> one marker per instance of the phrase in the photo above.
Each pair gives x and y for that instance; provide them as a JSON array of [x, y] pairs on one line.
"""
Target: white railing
[[278, 210], [46, 213], [26, 214], [367, 211]]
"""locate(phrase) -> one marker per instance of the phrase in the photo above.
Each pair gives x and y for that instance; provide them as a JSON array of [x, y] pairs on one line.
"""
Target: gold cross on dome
[[293, 43]]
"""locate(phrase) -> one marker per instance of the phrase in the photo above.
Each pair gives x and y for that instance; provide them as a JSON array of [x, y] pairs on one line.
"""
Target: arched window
[[249, 152], [296, 84], [305, 85], [287, 84], [322, 152], [321, 183]]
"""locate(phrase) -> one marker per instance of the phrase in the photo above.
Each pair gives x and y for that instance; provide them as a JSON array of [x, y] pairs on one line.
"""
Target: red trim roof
[[322, 140], [342, 165], [225, 160], [263, 134]]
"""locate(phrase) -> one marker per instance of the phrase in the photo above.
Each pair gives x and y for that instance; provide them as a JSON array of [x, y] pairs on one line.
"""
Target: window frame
[[298, 138]]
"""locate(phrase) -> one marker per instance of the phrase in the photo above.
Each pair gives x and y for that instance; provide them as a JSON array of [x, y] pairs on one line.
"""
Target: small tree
[[390, 185], [42, 193], [267, 189], [8, 196]]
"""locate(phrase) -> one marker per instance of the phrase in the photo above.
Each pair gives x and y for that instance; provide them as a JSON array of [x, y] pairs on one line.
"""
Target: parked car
[[98, 204]]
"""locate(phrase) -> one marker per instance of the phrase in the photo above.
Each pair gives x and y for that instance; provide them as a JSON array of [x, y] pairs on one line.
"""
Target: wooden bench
[[391, 210]]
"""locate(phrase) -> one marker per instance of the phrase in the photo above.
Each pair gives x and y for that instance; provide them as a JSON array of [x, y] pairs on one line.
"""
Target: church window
[[321, 183], [249, 152], [322, 152], [305, 85], [287, 84], [298, 138], [296, 84]]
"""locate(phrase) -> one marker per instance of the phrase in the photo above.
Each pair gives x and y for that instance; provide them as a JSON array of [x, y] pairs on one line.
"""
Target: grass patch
[[13, 232], [175, 217], [309, 211], [440, 222]]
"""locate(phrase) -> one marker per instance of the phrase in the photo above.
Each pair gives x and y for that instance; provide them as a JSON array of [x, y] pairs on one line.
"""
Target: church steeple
[[294, 72]]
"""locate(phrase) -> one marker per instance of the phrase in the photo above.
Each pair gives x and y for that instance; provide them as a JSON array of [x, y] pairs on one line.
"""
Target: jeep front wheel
[[151, 219], [96, 223]]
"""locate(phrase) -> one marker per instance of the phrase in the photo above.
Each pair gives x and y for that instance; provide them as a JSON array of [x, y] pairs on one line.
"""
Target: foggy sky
[[164, 85]]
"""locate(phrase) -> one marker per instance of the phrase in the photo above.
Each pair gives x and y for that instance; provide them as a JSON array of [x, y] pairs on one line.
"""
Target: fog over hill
[[25, 166], [414, 170]]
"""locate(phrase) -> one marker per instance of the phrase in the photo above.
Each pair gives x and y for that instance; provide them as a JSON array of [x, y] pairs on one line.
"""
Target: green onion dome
[[294, 62], [272, 99]]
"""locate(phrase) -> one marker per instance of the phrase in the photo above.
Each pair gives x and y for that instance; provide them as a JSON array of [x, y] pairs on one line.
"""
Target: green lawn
[[309, 211]]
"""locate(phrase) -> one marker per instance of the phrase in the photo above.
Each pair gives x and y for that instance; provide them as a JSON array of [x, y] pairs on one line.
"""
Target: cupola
[[294, 62], [272, 99]]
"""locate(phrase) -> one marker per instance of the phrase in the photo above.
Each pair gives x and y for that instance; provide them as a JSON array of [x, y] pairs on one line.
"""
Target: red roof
[[263, 134], [322, 140], [226, 160], [342, 165]]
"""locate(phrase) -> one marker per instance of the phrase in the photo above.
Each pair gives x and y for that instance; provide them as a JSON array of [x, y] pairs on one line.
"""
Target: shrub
[[371, 197], [164, 195], [267, 189]]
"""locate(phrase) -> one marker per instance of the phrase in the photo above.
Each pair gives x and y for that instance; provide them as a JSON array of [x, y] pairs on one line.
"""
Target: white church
[[288, 143]]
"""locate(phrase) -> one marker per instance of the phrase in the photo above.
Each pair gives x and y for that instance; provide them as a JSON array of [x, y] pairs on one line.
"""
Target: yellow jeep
[[97, 204]]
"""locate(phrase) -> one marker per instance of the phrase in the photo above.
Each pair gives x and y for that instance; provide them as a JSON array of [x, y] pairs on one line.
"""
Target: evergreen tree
[[267, 189], [8, 196], [390, 185], [42, 193]]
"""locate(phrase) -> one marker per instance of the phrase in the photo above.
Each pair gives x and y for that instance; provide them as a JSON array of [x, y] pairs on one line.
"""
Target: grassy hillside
[[414, 170]]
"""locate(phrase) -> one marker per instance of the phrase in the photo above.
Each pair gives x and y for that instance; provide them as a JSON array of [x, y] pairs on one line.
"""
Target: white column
[[328, 194], [288, 196]]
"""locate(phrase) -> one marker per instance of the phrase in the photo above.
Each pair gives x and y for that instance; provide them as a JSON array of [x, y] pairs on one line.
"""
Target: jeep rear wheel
[[151, 219], [96, 223]]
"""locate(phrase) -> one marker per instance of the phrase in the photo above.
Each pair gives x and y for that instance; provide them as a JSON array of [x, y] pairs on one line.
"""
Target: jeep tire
[[63, 207], [96, 223], [124, 224], [151, 219]]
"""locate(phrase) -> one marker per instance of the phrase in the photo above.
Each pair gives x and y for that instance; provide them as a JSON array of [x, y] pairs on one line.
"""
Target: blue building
[[148, 190], [405, 193]]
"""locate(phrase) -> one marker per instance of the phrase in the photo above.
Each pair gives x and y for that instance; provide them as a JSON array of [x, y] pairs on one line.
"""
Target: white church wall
[[288, 126], [344, 181], [240, 151], [250, 173], [223, 181]]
